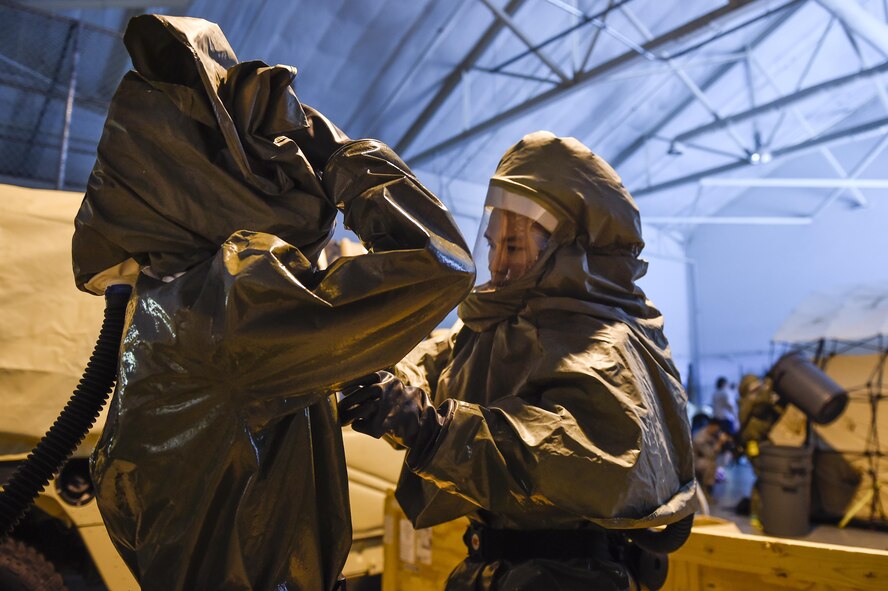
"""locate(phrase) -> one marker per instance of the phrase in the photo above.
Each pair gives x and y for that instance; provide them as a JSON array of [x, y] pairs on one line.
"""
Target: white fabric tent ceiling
[[848, 314], [453, 84]]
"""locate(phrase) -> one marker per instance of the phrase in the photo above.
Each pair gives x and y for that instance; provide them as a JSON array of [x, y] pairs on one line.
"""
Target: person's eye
[[514, 249]]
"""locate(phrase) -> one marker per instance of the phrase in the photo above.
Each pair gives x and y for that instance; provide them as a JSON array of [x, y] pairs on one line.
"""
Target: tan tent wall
[[49, 328], [849, 463]]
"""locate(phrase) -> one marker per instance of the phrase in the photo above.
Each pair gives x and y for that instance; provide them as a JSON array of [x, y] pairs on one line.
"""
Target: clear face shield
[[514, 231]]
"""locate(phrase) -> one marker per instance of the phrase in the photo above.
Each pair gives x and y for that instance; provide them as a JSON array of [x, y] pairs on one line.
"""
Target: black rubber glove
[[380, 404]]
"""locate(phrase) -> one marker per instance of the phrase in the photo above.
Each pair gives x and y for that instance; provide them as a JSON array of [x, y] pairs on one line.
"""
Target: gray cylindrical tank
[[802, 383], [784, 484]]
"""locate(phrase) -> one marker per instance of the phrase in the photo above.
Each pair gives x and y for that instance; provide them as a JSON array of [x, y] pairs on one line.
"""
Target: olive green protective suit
[[565, 409], [760, 409], [221, 464]]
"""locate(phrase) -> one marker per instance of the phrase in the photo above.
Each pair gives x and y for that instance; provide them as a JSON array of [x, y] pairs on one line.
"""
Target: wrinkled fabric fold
[[221, 463], [233, 131]]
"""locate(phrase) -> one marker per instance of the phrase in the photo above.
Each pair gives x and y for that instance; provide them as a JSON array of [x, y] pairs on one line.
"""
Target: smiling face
[[514, 244]]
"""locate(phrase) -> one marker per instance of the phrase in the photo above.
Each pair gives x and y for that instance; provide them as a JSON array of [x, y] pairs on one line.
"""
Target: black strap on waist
[[486, 544]]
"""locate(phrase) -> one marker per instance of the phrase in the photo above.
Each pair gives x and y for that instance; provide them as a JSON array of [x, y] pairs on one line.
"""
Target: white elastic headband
[[503, 199]]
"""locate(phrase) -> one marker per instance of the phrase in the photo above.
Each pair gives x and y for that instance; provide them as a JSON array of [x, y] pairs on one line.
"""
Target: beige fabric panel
[[850, 432], [844, 482], [49, 327]]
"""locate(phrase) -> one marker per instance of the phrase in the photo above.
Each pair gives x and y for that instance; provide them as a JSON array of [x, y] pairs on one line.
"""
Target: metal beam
[[802, 77], [595, 37], [69, 110], [861, 166], [572, 10], [597, 20], [731, 30], [858, 197], [21, 7], [578, 82], [55, 147], [725, 220], [678, 149], [813, 57], [507, 20], [575, 44], [750, 89], [74, 4], [876, 127], [26, 70], [720, 73], [696, 91], [96, 104], [857, 19], [519, 75], [440, 34], [35, 131], [657, 69], [783, 101], [796, 183], [454, 78], [864, 162]]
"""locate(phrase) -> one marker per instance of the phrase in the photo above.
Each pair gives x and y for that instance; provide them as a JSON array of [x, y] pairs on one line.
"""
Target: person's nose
[[497, 264]]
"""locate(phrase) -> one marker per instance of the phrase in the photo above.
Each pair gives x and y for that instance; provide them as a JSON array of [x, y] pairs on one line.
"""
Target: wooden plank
[[764, 563]]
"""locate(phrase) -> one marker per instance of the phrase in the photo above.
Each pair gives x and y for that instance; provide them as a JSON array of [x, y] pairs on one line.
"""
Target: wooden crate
[[720, 558], [716, 557], [419, 560]]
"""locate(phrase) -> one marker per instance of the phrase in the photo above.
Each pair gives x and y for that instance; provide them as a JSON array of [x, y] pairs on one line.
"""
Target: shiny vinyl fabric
[[221, 464], [760, 409], [568, 410], [189, 125]]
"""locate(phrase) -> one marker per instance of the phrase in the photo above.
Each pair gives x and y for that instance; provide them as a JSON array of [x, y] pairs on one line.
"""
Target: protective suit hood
[[593, 254], [580, 188], [147, 195]]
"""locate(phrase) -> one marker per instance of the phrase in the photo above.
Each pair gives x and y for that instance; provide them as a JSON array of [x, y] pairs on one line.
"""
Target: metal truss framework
[[876, 34], [663, 51], [636, 53], [645, 53], [53, 86]]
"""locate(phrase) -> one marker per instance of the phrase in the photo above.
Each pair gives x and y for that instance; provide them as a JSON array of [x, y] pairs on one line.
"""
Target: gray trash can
[[784, 484]]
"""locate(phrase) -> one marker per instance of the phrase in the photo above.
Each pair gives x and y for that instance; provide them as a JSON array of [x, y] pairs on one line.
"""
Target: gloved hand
[[380, 404]]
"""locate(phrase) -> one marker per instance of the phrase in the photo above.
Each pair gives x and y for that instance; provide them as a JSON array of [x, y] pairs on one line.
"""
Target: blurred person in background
[[724, 406]]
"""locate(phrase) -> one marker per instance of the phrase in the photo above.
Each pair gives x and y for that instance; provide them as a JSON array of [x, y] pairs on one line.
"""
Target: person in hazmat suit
[[221, 464], [555, 414], [760, 409]]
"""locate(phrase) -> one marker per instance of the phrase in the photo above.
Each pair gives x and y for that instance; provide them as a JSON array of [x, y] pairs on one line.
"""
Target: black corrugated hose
[[74, 421], [647, 553], [663, 542]]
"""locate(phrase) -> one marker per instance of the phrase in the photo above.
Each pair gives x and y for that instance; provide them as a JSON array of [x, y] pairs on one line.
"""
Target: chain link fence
[[57, 76]]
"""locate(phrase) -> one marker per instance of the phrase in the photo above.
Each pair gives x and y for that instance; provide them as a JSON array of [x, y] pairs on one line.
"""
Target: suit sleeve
[[276, 328], [581, 444]]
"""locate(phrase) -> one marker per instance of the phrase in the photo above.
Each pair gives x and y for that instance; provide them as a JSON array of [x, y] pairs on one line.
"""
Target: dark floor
[[738, 484]]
